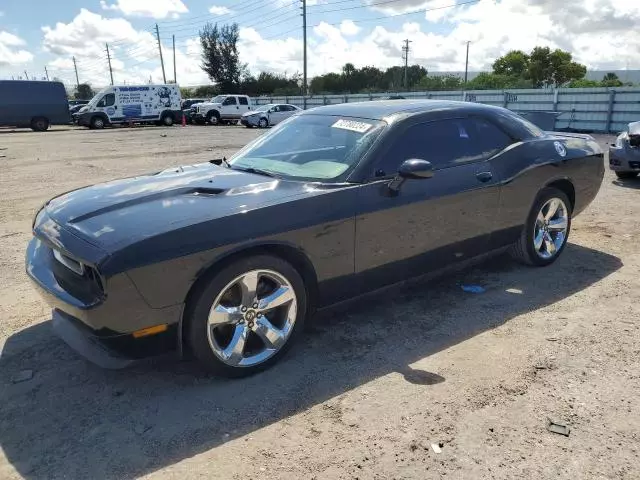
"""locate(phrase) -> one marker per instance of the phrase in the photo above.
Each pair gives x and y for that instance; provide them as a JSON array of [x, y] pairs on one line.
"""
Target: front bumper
[[100, 327], [249, 121], [624, 159]]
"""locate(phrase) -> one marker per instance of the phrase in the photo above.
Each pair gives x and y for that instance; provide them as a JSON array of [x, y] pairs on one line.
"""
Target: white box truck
[[159, 104]]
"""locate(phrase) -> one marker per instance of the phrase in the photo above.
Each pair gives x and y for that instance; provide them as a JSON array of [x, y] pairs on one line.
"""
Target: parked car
[[188, 107], [227, 259], [73, 103], [222, 109], [159, 104], [624, 154], [268, 115], [34, 104]]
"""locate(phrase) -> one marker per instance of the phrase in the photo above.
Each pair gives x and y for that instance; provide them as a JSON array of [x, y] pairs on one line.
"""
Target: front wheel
[[547, 227], [626, 175], [213, 118], [243, 319], [263, 123], [97, 122]]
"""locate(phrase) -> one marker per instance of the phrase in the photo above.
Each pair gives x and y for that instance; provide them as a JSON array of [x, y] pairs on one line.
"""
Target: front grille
[[614, 161]]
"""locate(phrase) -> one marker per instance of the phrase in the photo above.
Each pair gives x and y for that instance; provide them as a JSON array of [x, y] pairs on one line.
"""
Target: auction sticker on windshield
[[352, 125]]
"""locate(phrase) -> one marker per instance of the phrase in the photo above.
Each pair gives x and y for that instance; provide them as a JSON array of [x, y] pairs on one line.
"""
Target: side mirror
[[415, 169]]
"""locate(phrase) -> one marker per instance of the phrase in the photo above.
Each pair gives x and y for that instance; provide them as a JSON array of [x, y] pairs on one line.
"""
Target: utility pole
[[76, 69], [164, 77], [26, 75], [466, 65], [46, 72], [405, 49], [109, 60], [304, 41], [175, 77]]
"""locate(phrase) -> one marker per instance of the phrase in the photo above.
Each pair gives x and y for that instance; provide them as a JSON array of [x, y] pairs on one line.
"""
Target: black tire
[[200, 303], [263, 123], [213, 117], [40, 124], [523, 250], [626, 175], [97, 122], [167, 120]]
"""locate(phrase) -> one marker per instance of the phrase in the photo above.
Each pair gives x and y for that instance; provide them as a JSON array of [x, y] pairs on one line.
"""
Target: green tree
[[611, 80], [206, 91], [584, 83], [553, 68], [515, 63], [186, 92], [220, 58], [440, 82], [83, 92]]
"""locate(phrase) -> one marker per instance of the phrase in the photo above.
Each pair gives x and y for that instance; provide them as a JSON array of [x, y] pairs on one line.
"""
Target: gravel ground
[[369, 389]]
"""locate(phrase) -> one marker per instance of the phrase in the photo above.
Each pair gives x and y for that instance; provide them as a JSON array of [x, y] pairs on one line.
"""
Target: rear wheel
[[243, 319], [547, 227], [167, 120], [39, 124], [626, 175]]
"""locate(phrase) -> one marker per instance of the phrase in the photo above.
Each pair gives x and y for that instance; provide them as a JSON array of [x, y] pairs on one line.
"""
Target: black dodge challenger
[[227, 259]]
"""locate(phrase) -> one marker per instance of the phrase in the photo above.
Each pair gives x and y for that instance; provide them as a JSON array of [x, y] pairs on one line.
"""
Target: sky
[[35, 34]]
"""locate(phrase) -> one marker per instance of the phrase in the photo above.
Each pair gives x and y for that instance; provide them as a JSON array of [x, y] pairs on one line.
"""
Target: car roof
[[383, 109]]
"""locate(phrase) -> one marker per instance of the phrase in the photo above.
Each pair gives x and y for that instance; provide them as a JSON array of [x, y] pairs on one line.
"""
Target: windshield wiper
[[258, 171]]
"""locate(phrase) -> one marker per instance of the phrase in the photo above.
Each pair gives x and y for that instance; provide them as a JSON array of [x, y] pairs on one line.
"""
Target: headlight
[[620, 140], [70, 263]]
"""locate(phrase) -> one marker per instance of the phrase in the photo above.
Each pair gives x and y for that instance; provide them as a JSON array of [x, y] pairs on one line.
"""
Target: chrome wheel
[[263, 123], [550, 231], [252, 318]]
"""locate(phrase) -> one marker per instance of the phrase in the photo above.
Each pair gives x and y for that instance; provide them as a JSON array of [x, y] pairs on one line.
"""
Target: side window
[[108, 100], [230, 101], [487, 138], [444, 143], [243, 100], [276, 108]]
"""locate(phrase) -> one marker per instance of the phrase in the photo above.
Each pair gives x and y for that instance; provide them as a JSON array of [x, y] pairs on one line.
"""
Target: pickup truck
[[222, 109]]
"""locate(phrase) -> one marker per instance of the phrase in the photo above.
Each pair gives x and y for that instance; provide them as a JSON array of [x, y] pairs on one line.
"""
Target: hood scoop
[[165, 195]]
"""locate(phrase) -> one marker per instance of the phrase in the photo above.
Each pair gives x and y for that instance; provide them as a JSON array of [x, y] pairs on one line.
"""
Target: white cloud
[[220, 10], [347, 27], [10, 51], [147, 8], [599, 33]]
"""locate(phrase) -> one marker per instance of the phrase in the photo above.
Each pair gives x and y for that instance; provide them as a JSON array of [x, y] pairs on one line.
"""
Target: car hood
[[115, 214], [208, 105], [252, 112]]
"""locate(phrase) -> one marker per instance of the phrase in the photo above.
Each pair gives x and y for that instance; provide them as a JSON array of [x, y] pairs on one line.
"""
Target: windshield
[[96, 98], [263, 108], [218, 99], [311, 147]]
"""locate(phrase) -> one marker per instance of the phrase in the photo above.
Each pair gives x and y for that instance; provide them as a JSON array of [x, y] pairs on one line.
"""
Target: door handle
[[484, 176]]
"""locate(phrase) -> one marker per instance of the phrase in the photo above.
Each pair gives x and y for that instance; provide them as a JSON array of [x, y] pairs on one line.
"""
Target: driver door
[[230, 108], [431, 222], [107, 105]]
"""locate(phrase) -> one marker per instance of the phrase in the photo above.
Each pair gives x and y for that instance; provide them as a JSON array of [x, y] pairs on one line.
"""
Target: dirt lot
[[368, 390]]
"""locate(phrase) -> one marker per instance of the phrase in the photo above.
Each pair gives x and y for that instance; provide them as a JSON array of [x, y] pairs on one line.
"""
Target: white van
[[159, 104]]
